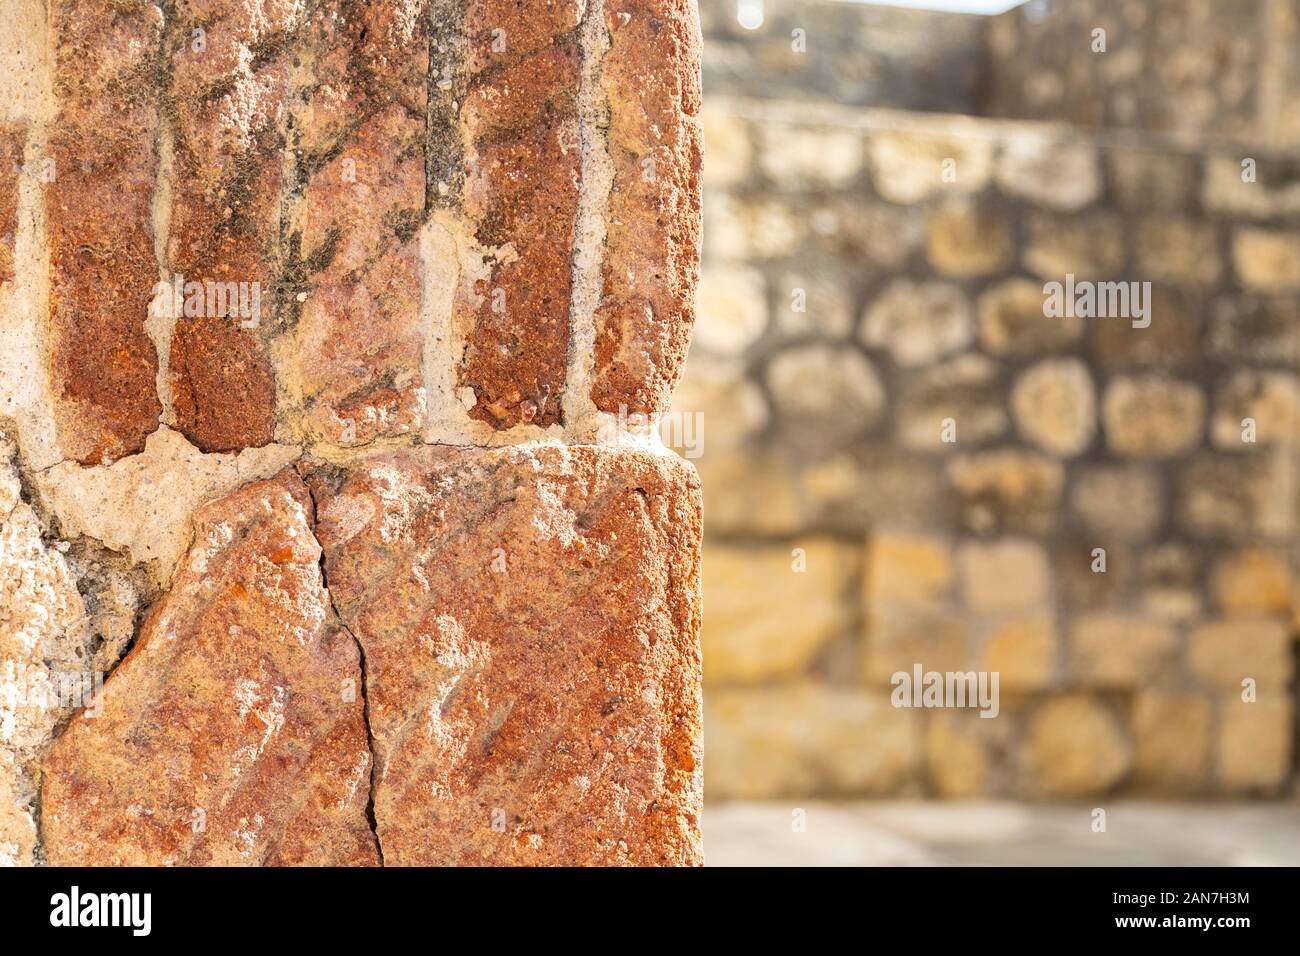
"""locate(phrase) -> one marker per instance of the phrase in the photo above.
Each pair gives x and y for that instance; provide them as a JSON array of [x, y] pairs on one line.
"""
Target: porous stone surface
[[238, 236], [234, 732], [228, 104], [529, 618], [643, 325], [101, 255]]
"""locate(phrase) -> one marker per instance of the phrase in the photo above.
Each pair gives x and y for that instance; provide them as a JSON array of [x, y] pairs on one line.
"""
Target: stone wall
[[908, 462], [1217, 70], [1213, 69], [326, 536]]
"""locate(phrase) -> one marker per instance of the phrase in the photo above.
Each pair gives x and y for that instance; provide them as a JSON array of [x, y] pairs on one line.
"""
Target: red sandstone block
[[11, 160], [530, 623], [361, 155], [522, 171], [651, 76], [98, 209], [229, 87], [233, 733]]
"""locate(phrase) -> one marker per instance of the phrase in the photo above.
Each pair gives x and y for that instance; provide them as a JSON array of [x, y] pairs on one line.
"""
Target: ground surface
[[889, 833]]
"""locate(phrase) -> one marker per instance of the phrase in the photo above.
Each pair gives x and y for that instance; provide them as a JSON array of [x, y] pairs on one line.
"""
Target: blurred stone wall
[[1228, 70], [853, 299]]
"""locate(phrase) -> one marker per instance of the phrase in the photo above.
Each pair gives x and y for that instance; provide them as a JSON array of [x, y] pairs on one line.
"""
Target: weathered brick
[[530, 623], [360, 148], [11, 158], [233, 733], [103, 143], [522, 170], [229, 86], [651, 76]]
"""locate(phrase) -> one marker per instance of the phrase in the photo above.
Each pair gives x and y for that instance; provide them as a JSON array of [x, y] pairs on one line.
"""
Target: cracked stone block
[[227, 141], [530, 620], [103, 143], [233, 733], [353, 272], [651, 79]]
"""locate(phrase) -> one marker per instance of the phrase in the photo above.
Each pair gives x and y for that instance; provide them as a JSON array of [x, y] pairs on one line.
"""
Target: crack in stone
[[365, 697]]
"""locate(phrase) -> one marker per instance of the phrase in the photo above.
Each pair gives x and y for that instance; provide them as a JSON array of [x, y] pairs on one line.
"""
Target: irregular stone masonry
[[947, 459], [296, 267]]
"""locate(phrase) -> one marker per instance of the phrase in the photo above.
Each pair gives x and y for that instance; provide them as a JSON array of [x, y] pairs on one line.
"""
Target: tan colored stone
[[963, 240], [1012, 323], [1118, 501], [1252, 752], [732, 309], [1090, 245], [918, 322], [767, 619], [1120, 650], [1152, 416], [1253, 581], [1267, 259], [907, 568], [1178, 250], [1007, 490], [836, 388], [728, 152], [1056, 175], [715, 403], [909, 166], [961, 397], [811, 156], [1004, 576], [963, 752], [1023, 651], [1225, 190], [1075, 747], [900, 636], [233, 733], [1055, 406], [1172, 581], [1171, 733], [751, 491], [530, 623], [1224, 653], [806, 739], [1271, 400], [816, 299], [1238, 497]]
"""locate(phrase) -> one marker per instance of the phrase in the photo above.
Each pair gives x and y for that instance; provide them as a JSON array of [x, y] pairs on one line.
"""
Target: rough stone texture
[[643, 325], [352, 275], [102, 265], [529, 618], [227, 101], [440, 210], [523, 156], [11, 159], [233, 732], [43, 638]]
